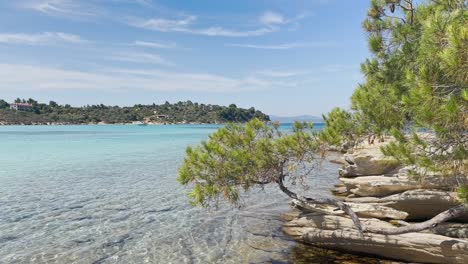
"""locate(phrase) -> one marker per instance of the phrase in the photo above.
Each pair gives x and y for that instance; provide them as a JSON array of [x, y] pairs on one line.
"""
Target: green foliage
[[4, 104], [235, 114], [436, 76], [463, 193], [238, 157], [342, 128], [416, 83], [180, 112]]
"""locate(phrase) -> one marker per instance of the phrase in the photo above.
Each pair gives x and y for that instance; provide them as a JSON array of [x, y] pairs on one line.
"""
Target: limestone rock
[[337, 232], [419, 204], [362, 210], [379, 186], [366, 162], [401, 181], [341, 190]]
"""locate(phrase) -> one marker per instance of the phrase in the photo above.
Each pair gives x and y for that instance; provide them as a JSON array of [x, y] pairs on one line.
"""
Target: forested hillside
[[181, 112]]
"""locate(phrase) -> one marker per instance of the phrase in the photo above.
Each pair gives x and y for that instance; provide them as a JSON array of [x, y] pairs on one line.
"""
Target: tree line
[[52, 112]]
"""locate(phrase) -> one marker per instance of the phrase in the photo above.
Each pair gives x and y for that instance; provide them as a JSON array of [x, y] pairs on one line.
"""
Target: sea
[[108, 194]]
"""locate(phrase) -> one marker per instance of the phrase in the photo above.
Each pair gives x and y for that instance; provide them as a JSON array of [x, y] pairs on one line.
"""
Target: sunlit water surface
[[108, 194]]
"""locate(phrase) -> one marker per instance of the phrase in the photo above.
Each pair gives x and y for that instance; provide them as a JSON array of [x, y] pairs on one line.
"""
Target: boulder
[[420, 204], [337, 232], [365, 162]]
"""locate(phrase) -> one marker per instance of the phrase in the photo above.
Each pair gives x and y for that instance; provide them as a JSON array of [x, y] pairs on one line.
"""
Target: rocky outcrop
[[337, 232], [384, 195], [419, 204], [362, 210], [367, 162], [379, 186]]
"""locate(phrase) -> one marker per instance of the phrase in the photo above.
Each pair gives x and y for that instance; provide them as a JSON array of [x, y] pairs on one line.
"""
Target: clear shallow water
[[108, 194]]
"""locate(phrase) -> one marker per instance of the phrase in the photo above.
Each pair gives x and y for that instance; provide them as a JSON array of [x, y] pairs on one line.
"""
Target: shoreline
[[109, 124]]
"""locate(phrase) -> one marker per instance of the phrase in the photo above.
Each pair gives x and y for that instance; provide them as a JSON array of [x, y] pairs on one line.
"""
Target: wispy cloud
[[166, 25], [186, 25], [44, 38], [272, 18], [68, 8], [156, 45], [47, 78], [281, 74], [140, 57], [283, 46]]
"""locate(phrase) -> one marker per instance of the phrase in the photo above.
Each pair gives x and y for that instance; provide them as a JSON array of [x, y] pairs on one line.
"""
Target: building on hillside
[[162, 116], [21, 106]]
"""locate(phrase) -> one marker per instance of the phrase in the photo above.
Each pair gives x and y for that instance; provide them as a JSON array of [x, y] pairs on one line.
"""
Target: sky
[[283, 57]]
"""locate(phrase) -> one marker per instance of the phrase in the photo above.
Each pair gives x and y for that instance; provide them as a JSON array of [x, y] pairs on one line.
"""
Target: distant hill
[[33, 112], [291, 119]]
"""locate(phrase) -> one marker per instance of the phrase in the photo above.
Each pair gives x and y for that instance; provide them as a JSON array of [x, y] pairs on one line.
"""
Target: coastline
[[107, 124]]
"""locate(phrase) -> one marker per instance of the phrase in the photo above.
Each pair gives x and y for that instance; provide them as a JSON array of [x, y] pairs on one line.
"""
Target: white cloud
[[141, 57], [44, 38], [283, 46], [68, 8], [185, 25], [167, 25], [156, 45], [272, 18], [281, 74], [219, 31], [29, 77]]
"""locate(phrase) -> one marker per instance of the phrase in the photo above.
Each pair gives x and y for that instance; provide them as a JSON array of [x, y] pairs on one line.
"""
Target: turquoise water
[[108, 194]]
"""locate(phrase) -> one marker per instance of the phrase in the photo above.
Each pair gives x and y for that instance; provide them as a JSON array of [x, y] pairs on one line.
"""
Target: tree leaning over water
[[237, 158], [416, 81]]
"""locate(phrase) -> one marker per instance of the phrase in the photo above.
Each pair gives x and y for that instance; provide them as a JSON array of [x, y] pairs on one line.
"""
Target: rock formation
[[384, 195]]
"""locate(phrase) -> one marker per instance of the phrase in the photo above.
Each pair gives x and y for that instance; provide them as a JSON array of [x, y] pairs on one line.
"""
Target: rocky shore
[[384, 194]]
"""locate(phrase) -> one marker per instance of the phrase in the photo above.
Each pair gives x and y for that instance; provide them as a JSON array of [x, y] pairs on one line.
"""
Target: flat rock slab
[[366, 162], [378, 186], [361, 210], [420, 204], [338, 232]]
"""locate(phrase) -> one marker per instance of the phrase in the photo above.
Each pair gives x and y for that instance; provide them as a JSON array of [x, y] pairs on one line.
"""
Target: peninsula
[[31, 112]]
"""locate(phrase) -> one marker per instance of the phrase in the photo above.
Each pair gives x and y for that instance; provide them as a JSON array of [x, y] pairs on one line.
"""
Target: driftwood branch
[[445, 216], [328, 201]]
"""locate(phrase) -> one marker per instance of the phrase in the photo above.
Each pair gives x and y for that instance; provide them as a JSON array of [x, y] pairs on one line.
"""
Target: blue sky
[[284, 57]]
